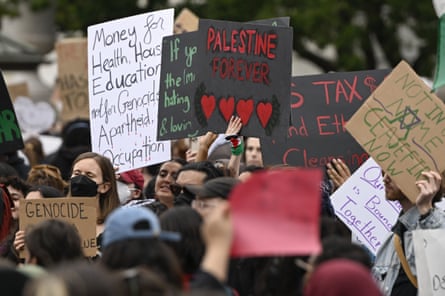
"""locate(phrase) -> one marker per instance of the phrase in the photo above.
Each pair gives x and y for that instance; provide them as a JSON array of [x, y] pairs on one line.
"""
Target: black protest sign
[[10, 134], [178, 83], [245, 70], [320, 107]]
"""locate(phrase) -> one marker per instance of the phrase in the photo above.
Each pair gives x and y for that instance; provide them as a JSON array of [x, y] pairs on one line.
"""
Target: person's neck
[[406, 204]]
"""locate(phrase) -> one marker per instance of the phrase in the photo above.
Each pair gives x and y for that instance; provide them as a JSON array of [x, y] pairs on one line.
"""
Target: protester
[[209, 194], [76, 139], [252, 153], [93, 176], [341, 277], [52, 242], [132, 237], [130, 186], [45, 174], [195, 173], [190, 249], [34, 192], [394, 275], [12, 281], [75, 278]]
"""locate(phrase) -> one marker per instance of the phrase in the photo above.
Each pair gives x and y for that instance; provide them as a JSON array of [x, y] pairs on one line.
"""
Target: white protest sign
[[428, 247], [124, 67], [360, 203]]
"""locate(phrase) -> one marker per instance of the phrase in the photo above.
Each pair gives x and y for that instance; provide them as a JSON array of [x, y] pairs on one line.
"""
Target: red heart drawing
[[226, 106], [244, 108], [264, 111], [208, 105]]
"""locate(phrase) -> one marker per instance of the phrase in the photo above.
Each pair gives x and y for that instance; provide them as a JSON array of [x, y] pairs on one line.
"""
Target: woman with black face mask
[[93, 176]]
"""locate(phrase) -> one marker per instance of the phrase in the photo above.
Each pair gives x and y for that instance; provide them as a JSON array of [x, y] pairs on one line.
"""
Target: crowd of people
[[167, 229]]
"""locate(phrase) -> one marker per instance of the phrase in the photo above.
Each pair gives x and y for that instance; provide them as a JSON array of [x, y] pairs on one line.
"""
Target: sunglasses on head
[[177, 189]]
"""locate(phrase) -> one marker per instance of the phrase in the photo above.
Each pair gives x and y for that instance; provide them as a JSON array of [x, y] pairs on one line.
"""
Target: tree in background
[[363, 34]]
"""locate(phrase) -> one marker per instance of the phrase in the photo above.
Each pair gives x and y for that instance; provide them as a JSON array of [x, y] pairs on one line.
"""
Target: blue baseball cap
[[121, 225]]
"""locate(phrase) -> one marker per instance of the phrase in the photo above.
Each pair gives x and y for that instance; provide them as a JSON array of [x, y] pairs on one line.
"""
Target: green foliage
[[352, 27]]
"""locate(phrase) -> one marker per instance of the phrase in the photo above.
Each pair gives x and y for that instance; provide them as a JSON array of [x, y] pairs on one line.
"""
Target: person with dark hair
[[252, 153], [75, 278], [7, 171], [394, 266], [247, 171], [190, 249], [335, 247], [195, 173], [52, 242], [43, 191], [161, 198], [132, 237], [76, 139], [209, 194], [17, 162]]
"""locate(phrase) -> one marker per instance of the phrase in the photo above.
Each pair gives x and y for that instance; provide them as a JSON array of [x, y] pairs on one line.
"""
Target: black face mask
[[82, 186]]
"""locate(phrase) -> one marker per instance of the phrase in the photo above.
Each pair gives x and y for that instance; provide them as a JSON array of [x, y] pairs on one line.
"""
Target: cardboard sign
[[72, 62], [10, 134], [124, 66], [245, 71], [186, 21], [428, 247], [81, 212], [18, 89], [401, 125], [361, 204], [320, 107], [276, 212]]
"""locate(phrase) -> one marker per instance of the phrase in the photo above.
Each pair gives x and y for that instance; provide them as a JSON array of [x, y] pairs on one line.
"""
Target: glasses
[[177, 189]]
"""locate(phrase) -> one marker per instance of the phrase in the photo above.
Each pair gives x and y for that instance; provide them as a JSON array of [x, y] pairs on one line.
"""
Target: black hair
[[190, 249], [46, 191], [54, 241], [335, 247], [206, 167], [149, 252]]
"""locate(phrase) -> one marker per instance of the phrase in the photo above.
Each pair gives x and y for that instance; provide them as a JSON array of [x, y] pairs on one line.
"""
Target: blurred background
[[342, 35]]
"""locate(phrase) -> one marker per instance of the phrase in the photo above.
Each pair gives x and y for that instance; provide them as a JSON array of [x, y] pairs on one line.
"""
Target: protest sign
[[18, 89], [320, 107], [361, 204], [186, 21], [81, 212], [276, 212], [401, 125], [124, 66], [245, 71], [180, 78], [179, 72], [428, 246], [72, 64], [10, 134]]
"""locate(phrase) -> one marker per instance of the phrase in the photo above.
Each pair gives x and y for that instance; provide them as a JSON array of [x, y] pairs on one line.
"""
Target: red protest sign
[[276, 212]]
